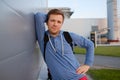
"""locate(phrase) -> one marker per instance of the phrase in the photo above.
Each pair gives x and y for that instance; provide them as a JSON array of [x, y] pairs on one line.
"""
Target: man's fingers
[[82, 69]]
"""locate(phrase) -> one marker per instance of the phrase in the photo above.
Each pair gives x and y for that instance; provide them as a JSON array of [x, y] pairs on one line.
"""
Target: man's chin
[[54, 33]]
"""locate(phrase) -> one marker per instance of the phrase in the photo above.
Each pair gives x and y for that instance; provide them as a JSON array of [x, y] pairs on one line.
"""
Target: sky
[[83, 8]]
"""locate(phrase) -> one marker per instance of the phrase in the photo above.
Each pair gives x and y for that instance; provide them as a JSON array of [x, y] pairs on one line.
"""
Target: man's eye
[[52, 20], [59, 22]]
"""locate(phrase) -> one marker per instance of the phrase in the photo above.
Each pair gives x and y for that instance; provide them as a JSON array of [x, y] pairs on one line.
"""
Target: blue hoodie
[[59, 56]]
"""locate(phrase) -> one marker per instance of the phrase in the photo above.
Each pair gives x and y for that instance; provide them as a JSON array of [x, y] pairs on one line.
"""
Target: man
[[59, 56]]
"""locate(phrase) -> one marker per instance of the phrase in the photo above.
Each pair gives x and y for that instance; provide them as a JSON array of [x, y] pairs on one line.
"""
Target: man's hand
[[82, 69]]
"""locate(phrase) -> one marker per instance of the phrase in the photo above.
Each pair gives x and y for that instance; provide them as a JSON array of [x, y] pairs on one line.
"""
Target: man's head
[[54, 21], [54, 12]]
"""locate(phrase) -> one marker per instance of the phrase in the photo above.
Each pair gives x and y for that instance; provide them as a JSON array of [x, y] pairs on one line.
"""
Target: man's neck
[[54, 34]]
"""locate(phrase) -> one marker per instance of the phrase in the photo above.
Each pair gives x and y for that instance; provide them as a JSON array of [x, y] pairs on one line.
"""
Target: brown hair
[[56, 12]]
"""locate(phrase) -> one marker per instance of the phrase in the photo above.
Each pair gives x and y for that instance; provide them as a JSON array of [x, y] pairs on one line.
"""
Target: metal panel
[[19, 57]]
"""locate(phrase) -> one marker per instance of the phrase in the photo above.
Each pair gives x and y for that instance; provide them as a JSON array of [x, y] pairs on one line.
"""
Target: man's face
[[54, 24]]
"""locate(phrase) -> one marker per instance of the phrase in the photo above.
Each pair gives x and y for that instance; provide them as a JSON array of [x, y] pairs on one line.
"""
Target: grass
[[105, 74], [102, 50]]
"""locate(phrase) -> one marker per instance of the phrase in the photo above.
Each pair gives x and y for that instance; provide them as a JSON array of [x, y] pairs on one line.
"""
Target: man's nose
[[55, 23]]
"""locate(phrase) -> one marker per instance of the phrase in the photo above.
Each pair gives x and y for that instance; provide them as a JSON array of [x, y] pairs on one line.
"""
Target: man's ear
[[46, 23]]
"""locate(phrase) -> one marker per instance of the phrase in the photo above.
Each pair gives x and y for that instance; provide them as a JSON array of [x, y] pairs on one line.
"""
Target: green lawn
[[102, 50], [105, 74]]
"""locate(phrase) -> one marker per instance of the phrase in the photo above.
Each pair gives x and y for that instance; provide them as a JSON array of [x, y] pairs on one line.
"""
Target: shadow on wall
[[19, 57]]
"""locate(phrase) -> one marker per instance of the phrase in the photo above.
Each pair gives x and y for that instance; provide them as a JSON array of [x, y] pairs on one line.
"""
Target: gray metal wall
[[19, 57]]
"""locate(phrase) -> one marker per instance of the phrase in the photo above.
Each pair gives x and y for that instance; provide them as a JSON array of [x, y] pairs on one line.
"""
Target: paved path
[[99, 62], [102, 61]]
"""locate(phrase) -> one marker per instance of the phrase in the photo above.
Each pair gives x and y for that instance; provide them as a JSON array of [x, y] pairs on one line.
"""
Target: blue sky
[[83, 8]]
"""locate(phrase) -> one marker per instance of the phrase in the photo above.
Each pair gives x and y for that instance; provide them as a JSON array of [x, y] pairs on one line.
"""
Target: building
[[109, 28], [113, 10], [84, 26], [20, 59]]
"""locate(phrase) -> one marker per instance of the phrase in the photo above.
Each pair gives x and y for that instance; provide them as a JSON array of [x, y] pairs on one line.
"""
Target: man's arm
[[89, 57], [89, 46], [40, 28]]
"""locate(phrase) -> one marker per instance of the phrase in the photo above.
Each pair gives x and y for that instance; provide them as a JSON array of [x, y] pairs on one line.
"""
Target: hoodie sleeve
[[40, 19], [88, 45]]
